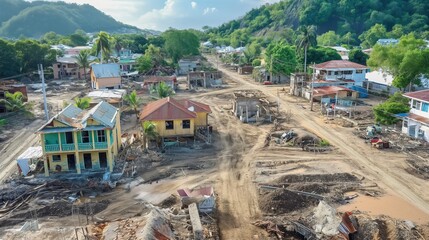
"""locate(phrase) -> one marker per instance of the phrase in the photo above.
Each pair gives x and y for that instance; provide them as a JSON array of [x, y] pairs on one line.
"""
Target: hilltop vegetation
[[348, 19], [33, 19]]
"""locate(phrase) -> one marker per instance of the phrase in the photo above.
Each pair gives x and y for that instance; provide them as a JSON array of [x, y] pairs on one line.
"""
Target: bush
[[256, 62], [324, 143]]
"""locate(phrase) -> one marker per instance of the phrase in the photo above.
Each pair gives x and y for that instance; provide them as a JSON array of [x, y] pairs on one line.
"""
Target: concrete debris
[[197, 228], [326, 219]]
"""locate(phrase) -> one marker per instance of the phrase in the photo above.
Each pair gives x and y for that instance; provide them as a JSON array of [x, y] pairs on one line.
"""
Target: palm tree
[[305, 40], [14, 102], [82, 103], [134, 101], [149, 133], [102, 45], [163, 90], [83, 60]]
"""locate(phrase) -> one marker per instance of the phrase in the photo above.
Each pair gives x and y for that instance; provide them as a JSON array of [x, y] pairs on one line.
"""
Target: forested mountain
[[351, 17], [33, 19]]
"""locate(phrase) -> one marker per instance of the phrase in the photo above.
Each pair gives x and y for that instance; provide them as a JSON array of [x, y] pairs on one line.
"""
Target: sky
[[179, 14]]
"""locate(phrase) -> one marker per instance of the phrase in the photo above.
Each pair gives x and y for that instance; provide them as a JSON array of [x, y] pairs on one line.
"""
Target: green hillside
[[33, 19], [345, 16]]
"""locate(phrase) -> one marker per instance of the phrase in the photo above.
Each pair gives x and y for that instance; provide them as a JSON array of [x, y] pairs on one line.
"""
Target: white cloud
[[209, 10], [162, 14]]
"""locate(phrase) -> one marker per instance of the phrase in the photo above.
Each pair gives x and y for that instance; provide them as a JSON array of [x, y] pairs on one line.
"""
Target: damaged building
[[251, 106], [204, 79], [11, 86]]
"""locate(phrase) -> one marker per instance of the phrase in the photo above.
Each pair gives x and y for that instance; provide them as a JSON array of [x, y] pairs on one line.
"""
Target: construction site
[[273, 170]]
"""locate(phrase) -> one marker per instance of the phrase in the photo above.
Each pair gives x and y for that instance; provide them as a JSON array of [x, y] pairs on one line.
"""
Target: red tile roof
[[420, 95], [198, 107], [169, 109], [335, 64], [328, 90]]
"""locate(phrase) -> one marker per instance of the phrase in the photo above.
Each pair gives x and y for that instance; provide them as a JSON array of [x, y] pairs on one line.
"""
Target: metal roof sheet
[[108, 70], [166, 109], [422, 95], [338, 64]]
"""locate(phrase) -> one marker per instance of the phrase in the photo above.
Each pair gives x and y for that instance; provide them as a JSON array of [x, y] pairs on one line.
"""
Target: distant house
[[379, 82], [204, 79], [76, 50], [416, 123], [340, 70], [150, 82], [245, 70], [177, 118], [263, 75], [187, 65], [387, 41], [334, 92], [344, 52], [77, 140], [67, 67], [11, 86], [105, 76]]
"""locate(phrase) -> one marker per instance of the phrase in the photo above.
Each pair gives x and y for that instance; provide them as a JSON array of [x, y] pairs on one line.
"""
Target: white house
[[387, 41], [380, 81], [416, 122], [336, 70], [188, 65]]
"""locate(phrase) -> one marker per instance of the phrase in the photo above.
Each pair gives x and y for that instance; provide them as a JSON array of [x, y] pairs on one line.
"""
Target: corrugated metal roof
[[328, 90], [104, 113], [422, 95], [107, 70], [198, 107], [338, 64], [31, 152], [166, 109]]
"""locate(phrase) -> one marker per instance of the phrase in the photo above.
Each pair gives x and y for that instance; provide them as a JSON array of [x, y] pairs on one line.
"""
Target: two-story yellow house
[[77, 140], [176, 118]]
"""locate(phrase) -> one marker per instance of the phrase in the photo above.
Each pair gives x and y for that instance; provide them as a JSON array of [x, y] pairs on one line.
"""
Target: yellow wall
[[177, 131], [64, 163], [201, 119]]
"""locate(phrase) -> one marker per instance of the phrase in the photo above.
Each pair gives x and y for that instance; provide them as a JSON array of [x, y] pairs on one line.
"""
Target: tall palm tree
[[83, 60], [306, 39], [163, 90], [14, 102], [134, 102], [102, 45], [149, 133], [82, 103]]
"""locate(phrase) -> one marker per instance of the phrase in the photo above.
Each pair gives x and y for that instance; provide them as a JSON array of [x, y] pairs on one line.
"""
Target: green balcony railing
[[52, 148], [101, 145], [85, 146], [67, 147]]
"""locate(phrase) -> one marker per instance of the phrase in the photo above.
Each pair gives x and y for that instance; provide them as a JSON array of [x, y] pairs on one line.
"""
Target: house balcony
[[85, 146], [52, 148], [71, 147], [101, 145], [67, 147]]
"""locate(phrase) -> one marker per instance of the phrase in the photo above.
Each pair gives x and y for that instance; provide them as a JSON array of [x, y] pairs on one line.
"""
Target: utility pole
[[271, 69], [312, 87], [42, 77]]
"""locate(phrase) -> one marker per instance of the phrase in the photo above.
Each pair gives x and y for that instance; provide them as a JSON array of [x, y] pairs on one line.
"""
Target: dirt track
[[373, 163]]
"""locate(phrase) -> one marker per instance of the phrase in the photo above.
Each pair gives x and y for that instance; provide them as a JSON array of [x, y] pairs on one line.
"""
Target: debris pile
[[284, 201]]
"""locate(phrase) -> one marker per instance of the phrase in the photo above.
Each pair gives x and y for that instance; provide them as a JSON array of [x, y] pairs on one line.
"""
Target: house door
[[69, 138], [103, 159], [412, 131], [71, 160], [87, 160]]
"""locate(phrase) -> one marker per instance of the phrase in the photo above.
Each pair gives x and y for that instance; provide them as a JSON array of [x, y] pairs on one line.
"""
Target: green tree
[[82, 103], [134, 101], [83, 60], [103, 46], [329, 38], [280, 58], [180, 43], [395, 104], [152, 59], [357, 56], [30, 53], [256, 62], [369, 38], [8, 60], [14, 102], [149, 133], [162, 90], [407, 60], [319, 55], [306, 39], [3, 122], [349, 39]]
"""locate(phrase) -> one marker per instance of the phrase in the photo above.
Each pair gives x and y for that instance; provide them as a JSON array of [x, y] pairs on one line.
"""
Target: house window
[[1, 94], [405, 122], [417, 104], [186, 124], [329, 72], [348, 72], [169, 125], [359, 71], [101, 136], [59, 65], [421, 133], [56, 158], [85, 137]]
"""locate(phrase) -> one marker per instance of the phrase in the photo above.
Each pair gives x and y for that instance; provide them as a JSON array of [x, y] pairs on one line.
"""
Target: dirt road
[[15, 146], [372, 163]]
